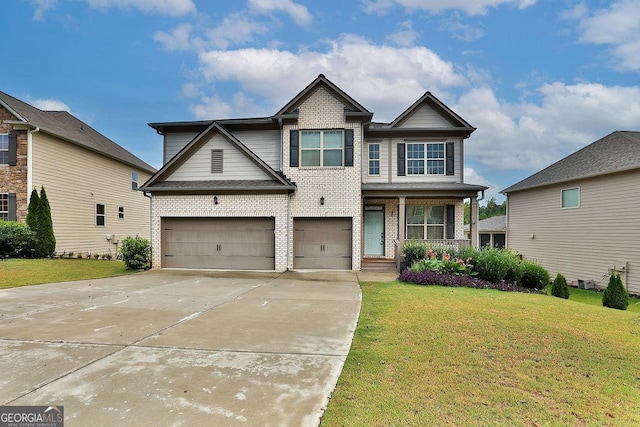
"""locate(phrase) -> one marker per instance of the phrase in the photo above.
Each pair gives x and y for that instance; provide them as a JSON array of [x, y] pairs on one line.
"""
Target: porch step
[[378, 264]]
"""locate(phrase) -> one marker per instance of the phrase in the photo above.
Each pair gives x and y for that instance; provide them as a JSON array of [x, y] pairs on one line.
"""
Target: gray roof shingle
[[65, 126], [616, 152]]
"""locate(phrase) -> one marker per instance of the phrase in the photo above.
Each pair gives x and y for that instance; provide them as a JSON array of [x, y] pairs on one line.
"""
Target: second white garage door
[[218, 243]]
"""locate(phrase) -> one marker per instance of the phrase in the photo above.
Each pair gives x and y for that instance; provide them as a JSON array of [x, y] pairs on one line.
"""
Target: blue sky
[[538, 78]]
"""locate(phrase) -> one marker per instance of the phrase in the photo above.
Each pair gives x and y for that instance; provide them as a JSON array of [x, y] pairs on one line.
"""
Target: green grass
[[437, 356], [23, 272], [595, 298]]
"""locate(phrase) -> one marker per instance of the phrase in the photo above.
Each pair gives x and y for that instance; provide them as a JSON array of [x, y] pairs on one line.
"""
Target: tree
[[615, 296], [560, 288], [40, 222]]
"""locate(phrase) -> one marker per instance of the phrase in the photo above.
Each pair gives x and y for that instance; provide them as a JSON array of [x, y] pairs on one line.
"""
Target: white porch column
[[473, 222], [401, 228]]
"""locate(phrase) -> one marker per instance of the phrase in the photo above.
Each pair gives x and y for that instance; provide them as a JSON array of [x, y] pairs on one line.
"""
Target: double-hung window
[[322, 148], [430, 154], [4, 148], [4, 206], [435, 159], [134, 180], [415, 159], [100, 215], [374, 159], [425, 222]]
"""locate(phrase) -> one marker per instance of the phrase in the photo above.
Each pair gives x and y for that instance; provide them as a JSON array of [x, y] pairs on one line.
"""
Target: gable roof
[[158, 183], [65, 126], [616, 152], [353, 108], [434, 102], [494, 223]]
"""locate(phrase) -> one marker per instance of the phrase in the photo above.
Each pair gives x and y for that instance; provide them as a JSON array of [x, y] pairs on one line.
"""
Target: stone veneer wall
[[340, 186], [249, 205], [13, 179]]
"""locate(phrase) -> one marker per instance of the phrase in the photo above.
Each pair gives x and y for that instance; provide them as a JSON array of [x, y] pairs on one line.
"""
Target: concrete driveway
[[179, 348]]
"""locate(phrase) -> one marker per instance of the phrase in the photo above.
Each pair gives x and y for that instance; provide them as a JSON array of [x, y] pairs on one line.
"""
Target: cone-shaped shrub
[[615, 296], [47, 238], [560, 288]]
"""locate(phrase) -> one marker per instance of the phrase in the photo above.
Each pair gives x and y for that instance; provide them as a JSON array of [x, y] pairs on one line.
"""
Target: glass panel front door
[[374, 232]]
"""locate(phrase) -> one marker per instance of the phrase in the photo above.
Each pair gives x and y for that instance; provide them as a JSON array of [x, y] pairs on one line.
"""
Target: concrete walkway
[[179, 348]]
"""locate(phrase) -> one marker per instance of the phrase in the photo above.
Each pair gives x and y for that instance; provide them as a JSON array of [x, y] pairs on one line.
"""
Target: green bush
[[40, 222], [136, 252], [534, 276], [559, 288], [15, 238], [413, 251], [496, 265], [615, 296]]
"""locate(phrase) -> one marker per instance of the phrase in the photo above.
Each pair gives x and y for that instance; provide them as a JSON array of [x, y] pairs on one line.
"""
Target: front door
[[373, 231]]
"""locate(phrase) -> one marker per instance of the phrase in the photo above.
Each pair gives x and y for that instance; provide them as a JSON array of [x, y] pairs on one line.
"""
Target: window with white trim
[[4, 148], [4, 206], [425, 222], [100, 215], [571, 198], [430, 154], [134, 180], [322, 148], [374, 159]]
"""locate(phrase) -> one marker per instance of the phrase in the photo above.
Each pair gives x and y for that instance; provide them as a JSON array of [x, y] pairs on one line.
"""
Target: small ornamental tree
[[48, 239], [560, 288], [136, 252], [615, 296]]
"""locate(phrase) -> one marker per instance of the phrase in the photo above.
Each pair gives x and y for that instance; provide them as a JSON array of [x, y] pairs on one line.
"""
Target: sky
[[539, 79]]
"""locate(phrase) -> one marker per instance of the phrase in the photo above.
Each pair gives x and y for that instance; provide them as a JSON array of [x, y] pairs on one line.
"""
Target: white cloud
[[399, 75], [461, 30], [298, 12], [470, 7], [471, 176], [178, 39], [405, 36], [530, 136], [162, 7], [51, 104], [235, 29], [618, 27], [41, 7], [211, 107]]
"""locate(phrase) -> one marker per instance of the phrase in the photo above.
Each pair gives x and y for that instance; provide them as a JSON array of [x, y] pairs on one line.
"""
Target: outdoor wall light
[[215, 200], [322, 201]]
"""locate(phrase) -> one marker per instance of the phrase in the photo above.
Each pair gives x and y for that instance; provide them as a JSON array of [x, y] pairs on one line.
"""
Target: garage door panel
[[220, 243], [322, 243]]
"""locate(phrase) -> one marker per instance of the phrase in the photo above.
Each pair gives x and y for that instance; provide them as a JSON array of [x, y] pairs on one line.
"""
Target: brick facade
[[13, 179]]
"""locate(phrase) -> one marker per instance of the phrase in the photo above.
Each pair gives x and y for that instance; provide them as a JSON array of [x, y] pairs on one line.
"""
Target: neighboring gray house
[[579, 216], [318, 185], [492, 231]]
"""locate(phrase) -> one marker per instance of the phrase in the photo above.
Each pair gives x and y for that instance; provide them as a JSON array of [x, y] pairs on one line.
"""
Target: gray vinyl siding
[[265, 144], [174, 142], [584, 242], [236, 165], [425, 117]]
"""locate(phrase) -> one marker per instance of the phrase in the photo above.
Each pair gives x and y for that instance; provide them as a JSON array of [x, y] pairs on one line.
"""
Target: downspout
[[289, 266], [146, 194], [30, 158]]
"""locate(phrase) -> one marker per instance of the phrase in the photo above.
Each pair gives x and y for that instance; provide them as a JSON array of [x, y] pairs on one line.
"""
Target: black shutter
[[450, 158], [348, 147], [13, 149], [13, 211], [293, 149], [401, 159], [451, 221]]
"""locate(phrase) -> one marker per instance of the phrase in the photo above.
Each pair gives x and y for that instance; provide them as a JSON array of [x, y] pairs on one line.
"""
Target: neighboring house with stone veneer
[[579, 216], [318, 185], [91, 182]]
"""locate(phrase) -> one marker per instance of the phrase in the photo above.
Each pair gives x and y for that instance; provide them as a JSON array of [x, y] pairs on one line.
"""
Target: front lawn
[[22, 272], [455, 356]]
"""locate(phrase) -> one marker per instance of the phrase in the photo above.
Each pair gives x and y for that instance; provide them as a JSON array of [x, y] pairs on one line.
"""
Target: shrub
[[534, 276], [40, 222], [495, 265], [560, 288], [136, 252], [413, 251], [15, 238], [615, 296], [429, 277]]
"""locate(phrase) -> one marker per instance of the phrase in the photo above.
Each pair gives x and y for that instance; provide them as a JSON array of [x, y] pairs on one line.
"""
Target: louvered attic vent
[[216, 161]]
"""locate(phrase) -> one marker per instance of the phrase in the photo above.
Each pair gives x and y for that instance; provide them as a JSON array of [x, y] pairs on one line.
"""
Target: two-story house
[[318, 185], [91, 182]]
